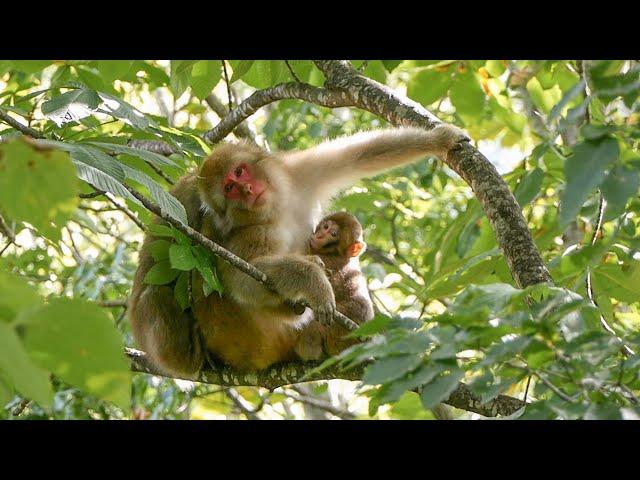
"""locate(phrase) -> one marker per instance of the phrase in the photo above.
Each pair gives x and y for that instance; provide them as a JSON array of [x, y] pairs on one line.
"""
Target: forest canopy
[[90, 149]]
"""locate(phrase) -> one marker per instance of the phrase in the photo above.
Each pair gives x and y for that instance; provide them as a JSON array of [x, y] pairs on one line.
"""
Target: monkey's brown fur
[[340, 259], [250, 328]]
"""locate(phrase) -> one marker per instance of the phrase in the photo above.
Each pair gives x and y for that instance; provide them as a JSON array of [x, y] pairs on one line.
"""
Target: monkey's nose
[[246, 188]]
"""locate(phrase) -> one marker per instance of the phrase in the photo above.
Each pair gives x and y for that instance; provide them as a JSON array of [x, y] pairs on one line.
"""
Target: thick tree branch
[[260, 98], [296, 372], [499, 204], [242, 130]]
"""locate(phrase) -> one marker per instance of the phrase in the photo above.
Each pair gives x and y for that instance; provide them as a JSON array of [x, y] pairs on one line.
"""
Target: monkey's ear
[[356, 248]]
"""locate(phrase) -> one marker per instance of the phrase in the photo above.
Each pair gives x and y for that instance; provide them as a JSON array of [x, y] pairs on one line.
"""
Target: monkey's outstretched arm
[[337, 164]]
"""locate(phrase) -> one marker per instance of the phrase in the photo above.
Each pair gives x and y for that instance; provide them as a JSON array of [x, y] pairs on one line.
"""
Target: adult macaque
[[338, 241], [262, 206]]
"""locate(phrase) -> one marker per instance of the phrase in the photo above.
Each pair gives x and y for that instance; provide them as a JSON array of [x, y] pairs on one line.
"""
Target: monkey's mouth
[[259, 199]]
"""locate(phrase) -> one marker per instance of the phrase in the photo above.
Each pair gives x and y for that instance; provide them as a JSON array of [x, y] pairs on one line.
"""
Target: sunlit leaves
[[205, 74], [71, 106], [79, 343], [37, 185], [427, 86]]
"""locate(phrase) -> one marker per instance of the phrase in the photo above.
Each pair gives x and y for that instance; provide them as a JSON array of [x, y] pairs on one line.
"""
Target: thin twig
[[126, 211], [293, 74], [226, 81], [6, 118]]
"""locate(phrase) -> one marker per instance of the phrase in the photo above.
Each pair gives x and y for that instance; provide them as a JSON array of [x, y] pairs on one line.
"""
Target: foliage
[[448, 309]]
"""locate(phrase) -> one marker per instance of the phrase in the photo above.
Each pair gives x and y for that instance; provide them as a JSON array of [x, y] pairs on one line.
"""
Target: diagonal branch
[[499, 204], [226, 255]]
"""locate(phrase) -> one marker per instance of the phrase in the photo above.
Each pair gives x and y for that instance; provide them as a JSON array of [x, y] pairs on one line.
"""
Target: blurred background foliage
[[563, 133]]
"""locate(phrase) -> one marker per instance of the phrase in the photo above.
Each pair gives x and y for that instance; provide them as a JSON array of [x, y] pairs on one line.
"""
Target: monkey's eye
[[325, 226], [238, 171], [228, 187]]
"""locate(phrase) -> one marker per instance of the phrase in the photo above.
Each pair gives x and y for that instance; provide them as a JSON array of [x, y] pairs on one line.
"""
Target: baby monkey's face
[[327, 234]]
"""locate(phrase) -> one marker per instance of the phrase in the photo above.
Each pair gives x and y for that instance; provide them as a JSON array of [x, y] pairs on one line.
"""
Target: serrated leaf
[[181, 290], [168, 203], [102, 181], [439, 389], [118, 108], [151, 157], [161, 274], [79, 343], [181, 258], [71, 106]]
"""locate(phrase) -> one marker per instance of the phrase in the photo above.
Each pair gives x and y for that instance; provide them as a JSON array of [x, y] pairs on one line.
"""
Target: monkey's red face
[[327, 233], [241, 184]]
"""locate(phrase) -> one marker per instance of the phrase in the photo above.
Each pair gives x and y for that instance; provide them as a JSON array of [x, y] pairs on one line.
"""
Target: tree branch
[[9, 120], [499, 204], [260, 98], [242, 130], [296, 372]]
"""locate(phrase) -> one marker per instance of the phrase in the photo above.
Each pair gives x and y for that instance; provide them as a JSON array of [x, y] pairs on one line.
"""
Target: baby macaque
[[338, 242]]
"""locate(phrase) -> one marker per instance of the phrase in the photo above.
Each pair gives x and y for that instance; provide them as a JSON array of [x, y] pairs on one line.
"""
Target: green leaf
[[529, 186], [159, 249], [158, 230], [240, 67], [584, 171], [495, 67], [595, 132], [118, 108], [205, 263], [181, 290], [181, 258], [621, 184], [161, 274], [19, 370], [180, 76], [389, 368], [467, 95], [618, 281], [168, 204], [391, 65], [151, 157], [265, 73], [15, 295], [30, 66], [111, 70], [428, 86], [71, 106], [204, 76], [439, 389], [391, 392], [37, 186], [79, 343], [103, 181], [377, 325], [572, 93]]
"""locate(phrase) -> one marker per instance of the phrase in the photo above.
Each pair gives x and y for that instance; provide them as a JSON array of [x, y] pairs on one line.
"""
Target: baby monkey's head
[[338, 234]]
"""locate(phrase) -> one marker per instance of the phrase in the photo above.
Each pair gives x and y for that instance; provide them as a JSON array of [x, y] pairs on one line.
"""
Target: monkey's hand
[[296, 278]]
